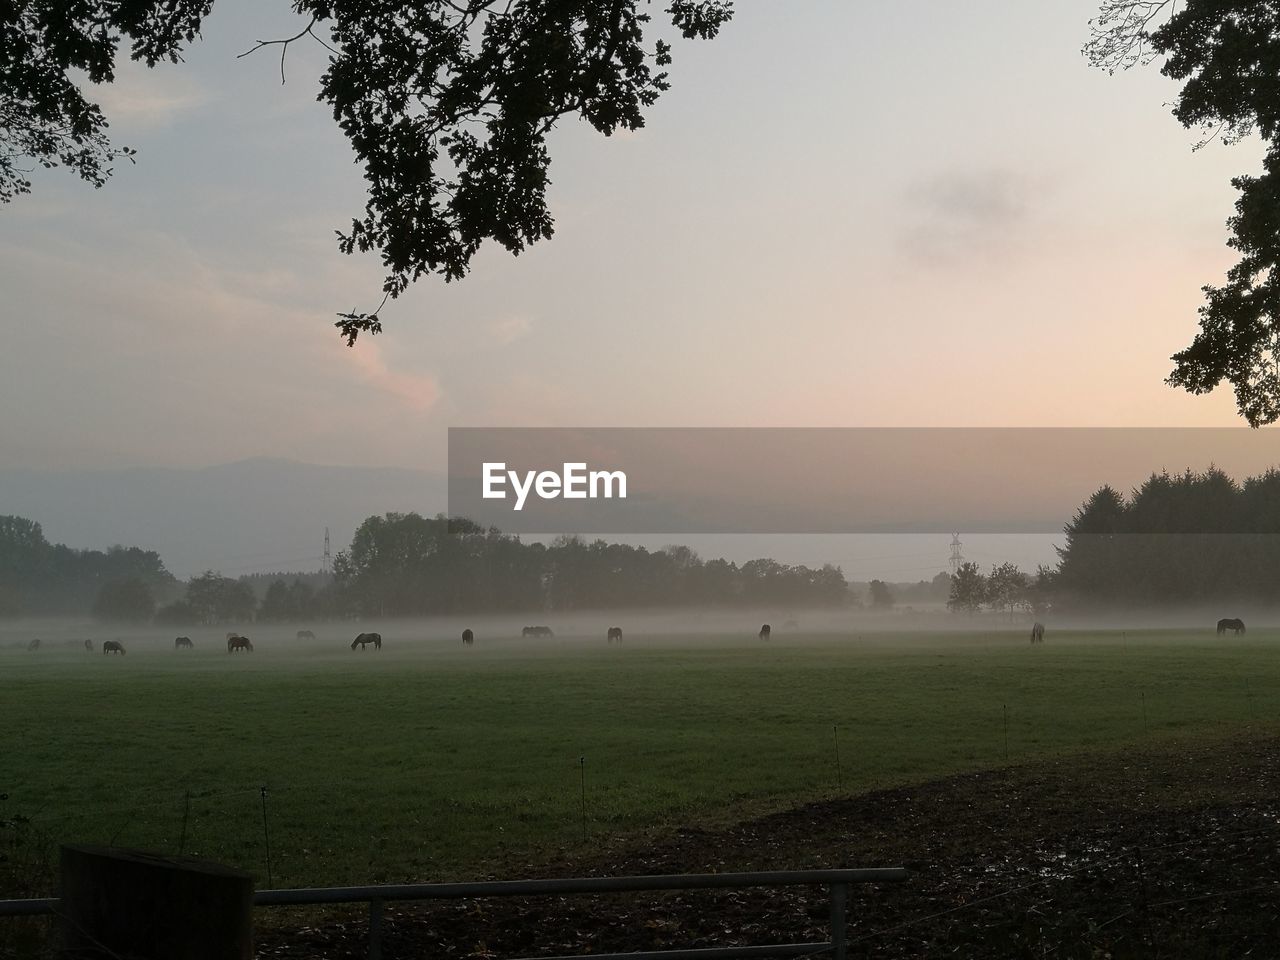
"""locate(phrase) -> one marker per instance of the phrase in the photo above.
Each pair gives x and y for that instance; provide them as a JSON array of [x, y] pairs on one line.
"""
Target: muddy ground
[[1163, 852]]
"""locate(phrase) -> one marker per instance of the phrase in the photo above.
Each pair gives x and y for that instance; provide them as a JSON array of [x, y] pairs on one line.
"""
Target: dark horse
[[615, 633], [34, 644], [765, 631], [88, 645], [112, 646], [235, 643], [1037, 633], [536, 632], [306, 635], [468, 638], [180, 642], [364, 638], [1230, 624]]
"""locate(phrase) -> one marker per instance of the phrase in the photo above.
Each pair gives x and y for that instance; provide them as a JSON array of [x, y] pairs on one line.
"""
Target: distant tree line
[[404, 563], [1005, 590], [41, 578], [1177, 539]]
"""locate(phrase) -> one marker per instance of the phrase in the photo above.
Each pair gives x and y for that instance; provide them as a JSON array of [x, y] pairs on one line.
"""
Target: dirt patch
[[1165, 852]]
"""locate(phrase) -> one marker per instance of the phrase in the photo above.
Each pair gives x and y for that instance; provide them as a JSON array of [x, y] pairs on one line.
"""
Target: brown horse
[[180, 643], [366, 638], [615, 633], [235, 643], [765, 631], [1037, 632], [112, 646], [468, 638]]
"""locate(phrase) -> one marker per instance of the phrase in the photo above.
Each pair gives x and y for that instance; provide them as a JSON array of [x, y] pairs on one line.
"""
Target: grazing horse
[[112, 646], [364, 638], [615, 633], [468, 638], [34, 644], [235, 642], [306, 635], [536, 632], [181, 642], [1037, 632], [88, 645], [765, 631], [1230, 624]]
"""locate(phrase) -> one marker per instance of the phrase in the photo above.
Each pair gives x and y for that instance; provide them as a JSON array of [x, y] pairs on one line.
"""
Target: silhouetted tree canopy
[[213, 598], [881, 595], [39, 577], [1227, 55], [1176, 539], [1007, 588], [446, 103], [968, 589], [129, 600], [403, 564]]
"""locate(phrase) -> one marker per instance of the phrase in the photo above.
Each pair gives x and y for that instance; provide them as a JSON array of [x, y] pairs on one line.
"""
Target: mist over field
[[423, 638]]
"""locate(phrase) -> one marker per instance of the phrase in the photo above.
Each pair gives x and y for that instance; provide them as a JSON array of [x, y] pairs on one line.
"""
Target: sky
[[842, 214]]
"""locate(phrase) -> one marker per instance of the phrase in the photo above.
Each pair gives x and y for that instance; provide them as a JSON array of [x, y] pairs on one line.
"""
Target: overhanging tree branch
[[446, 104]]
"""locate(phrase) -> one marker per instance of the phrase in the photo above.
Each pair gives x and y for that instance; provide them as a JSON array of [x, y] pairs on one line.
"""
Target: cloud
[[418, 392], [957, 214], [182, 360], [144, 98], [508, 330]]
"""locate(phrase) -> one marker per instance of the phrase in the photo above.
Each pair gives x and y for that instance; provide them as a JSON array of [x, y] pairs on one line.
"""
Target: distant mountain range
[[251, 516]]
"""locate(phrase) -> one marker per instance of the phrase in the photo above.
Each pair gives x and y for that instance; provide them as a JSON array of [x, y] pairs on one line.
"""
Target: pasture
[[431, 760]]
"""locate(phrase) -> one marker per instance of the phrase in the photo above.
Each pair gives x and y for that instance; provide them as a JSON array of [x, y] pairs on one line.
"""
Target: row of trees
[[38, 577], [1006, 589], [1175, 539], [404, 563]]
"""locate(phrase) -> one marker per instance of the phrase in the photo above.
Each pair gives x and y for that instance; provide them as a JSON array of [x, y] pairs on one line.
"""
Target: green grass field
[[428, 760]]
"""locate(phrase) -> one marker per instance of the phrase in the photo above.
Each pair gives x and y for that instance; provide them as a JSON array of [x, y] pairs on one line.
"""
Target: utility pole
[[957, 558]]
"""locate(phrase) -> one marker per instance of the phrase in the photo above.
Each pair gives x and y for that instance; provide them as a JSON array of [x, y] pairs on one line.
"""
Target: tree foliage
[[129, 600], [1226, 53], [447, 104], [213, 598], [968, 589], [38, 577], [406, 564], [1177, 539], [1007, 588], [880, 595]]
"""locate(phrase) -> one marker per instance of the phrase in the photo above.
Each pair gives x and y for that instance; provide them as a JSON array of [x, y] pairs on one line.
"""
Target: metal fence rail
[[837, 882]]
